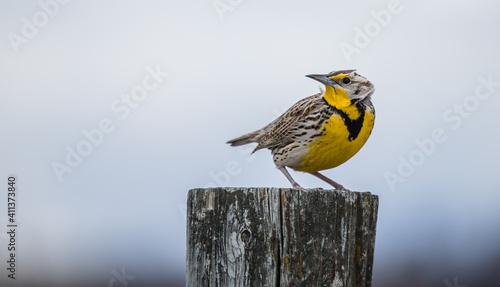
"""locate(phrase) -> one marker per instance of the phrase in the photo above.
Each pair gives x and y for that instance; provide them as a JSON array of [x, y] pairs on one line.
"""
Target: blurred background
[[111, 111]]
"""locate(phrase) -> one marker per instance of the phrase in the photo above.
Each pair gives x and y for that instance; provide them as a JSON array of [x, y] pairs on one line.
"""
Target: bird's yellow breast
[[343, 135]]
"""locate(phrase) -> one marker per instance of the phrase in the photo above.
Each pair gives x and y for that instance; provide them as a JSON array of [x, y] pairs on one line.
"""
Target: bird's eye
[[346, 81]]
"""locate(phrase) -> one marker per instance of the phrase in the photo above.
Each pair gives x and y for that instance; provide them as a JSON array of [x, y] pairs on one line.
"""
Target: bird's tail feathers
[[245, 139]]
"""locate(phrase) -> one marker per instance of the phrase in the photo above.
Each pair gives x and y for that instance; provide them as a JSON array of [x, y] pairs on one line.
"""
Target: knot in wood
[[245, 236]]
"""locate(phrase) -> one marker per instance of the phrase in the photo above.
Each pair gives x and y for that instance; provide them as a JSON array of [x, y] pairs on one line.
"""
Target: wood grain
[[280, 237]]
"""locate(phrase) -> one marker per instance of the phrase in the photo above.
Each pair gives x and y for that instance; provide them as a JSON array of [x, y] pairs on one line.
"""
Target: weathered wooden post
[[280, 237]]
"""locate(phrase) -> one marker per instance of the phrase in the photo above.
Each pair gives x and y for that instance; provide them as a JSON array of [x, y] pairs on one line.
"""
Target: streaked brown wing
[[280, 131]]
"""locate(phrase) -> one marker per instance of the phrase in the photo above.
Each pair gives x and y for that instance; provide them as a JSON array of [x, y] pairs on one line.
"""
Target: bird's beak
[[323, 79]]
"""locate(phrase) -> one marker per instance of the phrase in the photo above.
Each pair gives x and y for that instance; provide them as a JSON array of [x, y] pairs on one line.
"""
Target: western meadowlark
[[321, 131]]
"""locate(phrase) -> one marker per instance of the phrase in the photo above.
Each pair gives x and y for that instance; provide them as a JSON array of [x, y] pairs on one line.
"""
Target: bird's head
[[344, 87]]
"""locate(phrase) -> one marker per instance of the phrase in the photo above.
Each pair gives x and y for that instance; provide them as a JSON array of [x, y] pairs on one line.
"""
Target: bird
[[321, 131]]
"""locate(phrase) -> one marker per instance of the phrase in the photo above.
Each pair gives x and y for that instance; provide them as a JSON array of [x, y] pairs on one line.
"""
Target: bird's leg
[[289, 177], [329, 181]]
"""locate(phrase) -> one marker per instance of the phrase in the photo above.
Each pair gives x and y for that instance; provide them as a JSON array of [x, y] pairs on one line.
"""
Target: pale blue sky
[[230, 73]]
